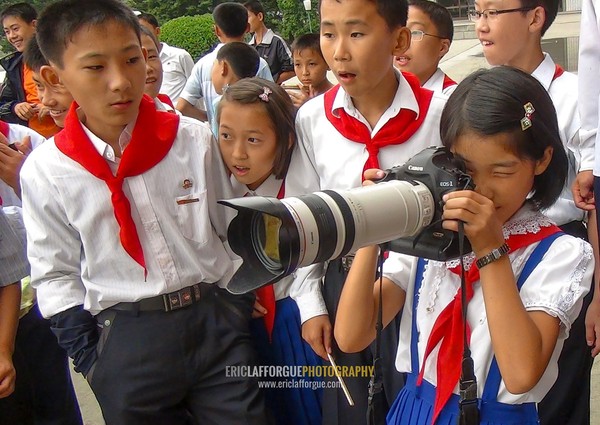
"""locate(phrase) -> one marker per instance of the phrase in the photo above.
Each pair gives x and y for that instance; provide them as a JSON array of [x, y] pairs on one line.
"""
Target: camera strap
[[377, 406], [467, 386]]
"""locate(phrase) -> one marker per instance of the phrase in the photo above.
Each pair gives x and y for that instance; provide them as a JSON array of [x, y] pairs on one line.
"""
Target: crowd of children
[[127, 245]]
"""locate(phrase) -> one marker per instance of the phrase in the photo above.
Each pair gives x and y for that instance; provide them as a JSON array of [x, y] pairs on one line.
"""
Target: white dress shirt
[[177, 66], [199, 84], [16, 133], [563, 92], [73, 236], [324, 159], [556, 286], [589, 89], [436, 83]]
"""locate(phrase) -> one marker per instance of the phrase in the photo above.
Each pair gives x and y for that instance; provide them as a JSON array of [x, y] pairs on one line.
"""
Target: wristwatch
[[493, 256]]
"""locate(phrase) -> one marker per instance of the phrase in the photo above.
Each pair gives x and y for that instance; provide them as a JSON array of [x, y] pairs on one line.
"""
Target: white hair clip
[[264, 96], [526, 120]]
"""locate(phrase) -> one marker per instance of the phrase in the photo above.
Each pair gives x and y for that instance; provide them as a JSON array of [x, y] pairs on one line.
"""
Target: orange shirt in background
[[46, 126]]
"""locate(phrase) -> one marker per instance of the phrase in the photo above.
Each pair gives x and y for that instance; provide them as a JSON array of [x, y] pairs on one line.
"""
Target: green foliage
[[171, 9], [294, 20], [192, 33]]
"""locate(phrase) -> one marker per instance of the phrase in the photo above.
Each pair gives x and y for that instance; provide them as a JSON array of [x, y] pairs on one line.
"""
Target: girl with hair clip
[[525, 280], [256, 137]]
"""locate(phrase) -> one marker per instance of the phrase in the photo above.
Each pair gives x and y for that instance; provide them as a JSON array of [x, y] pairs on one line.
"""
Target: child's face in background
[[498, 173], [423, 56], [55, 97], [154, 72], [359, 46], [18, 32], [505, 37], [247, 141], [310, 67], [105, 77]]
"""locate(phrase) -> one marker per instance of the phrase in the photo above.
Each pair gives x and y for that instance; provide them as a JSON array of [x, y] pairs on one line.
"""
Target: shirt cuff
[[311, 305]]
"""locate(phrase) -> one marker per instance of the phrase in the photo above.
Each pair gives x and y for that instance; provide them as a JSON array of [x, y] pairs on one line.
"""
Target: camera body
[[441, 172]]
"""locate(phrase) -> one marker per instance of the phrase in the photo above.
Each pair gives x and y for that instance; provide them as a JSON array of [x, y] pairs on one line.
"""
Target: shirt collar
[[404, 99], [544, 73], [270, 187], [103, 148], [436, 81]]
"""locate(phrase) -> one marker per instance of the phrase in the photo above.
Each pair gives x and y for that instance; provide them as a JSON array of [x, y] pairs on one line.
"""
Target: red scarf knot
[[395, 131], [153, 135]]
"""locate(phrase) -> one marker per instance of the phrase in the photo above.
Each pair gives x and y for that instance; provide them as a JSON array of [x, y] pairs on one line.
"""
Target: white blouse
[[556, 286]]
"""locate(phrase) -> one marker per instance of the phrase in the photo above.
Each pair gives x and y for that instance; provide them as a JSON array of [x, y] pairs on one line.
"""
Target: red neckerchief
[[152, 138], [266, 293], [4, 129], [558, 71], [448, 82], [394, 132], [165, 99], [448, 327]]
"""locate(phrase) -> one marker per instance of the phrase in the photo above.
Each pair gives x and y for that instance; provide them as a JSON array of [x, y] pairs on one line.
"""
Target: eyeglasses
[[492, 14], [417, 35]]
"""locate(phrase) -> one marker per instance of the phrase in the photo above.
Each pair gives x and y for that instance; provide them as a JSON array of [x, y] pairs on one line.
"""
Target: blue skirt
[[300, 405], [414, 406]]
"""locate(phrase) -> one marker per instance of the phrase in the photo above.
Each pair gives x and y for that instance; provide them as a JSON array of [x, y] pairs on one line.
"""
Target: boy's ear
[[49, 77], [542, 163], [538, 19], [444, 47], [34, 23], [402, 41], [260, 16], [224, 68]]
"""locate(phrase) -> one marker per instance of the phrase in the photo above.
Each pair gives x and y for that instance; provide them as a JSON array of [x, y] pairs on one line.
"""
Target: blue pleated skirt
[[414, 406], [289, 406]]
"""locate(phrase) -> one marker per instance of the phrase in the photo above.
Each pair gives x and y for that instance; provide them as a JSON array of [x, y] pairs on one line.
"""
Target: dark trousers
[[44, 392], [568, 401], [172, 368], [336, 409]]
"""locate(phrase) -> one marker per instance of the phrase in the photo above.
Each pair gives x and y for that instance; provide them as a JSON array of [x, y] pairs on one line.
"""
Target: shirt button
[[107, 322], [109, 155]]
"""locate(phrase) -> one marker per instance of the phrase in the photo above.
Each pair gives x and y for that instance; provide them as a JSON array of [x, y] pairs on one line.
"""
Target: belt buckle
[[179, 299]]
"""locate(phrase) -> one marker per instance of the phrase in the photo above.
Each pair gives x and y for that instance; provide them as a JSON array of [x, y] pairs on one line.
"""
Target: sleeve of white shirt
[[17, 132], [187, 63], [589, 89], [560, 281], [192, 91], [397, 268], [303, 178], [53, 245]]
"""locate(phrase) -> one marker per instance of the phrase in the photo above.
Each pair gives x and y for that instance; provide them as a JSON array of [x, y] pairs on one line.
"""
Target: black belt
[[171, 301]]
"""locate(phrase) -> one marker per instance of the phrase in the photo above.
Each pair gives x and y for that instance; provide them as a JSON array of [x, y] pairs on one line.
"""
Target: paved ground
[[464, 57]]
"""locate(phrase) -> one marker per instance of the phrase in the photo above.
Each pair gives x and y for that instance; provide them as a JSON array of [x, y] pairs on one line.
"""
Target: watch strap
[[493, 256]]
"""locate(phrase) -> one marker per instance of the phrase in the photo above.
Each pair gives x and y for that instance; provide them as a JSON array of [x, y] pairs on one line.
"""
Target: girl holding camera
[[525, 281], [256, 137]]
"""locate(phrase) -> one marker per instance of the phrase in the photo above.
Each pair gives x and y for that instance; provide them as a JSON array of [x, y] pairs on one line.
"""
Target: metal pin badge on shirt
[[187, 183]]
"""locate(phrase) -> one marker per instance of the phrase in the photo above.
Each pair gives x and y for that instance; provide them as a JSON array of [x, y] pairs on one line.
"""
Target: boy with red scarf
[[376, 117], [122, 224]]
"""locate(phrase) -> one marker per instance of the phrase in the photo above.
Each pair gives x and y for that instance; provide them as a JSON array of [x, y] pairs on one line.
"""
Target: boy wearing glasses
[[431, 30], [510, 32]]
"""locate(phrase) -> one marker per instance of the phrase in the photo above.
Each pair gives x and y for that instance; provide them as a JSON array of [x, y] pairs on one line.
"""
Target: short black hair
[[307, 41], [59, 21], [439, 15], [146, 31], [550, 6], [23, 11], [394, 12], [231, 18], [255, 7], [279, 108], [241, 57], [33, 57], [148, 17], [492, 101]]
